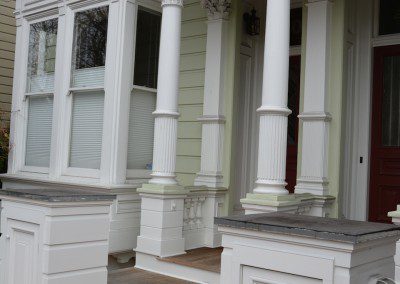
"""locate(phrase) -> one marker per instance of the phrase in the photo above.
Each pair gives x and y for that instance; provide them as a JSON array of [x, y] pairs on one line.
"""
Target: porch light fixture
[[252, 23]]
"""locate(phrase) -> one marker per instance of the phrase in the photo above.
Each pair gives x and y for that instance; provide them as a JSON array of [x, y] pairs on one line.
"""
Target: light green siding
[[7, 46], [336, 98], [193, 54]]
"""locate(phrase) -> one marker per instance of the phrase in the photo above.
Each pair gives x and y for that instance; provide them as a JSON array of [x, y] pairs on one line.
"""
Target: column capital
[[172, 2], [217, 9]]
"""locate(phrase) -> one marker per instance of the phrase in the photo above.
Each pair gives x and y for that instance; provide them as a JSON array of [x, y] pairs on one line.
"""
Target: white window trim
[[66, 170], [24, 95]]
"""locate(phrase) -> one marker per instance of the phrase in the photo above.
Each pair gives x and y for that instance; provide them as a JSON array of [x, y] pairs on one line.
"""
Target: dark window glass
[[147, 48], [296, 26], [391, 102], [389, 17], [91, 38]]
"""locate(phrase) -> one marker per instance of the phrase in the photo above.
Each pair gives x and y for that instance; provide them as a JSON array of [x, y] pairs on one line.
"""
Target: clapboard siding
[[193, 56], [7, 47]]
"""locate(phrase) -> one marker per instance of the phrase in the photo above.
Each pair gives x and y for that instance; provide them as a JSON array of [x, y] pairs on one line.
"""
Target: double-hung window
[[87, 89], [39, 94], [144, 91]]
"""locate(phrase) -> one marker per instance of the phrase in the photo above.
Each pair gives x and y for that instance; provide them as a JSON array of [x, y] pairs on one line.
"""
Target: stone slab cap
[[150, 188], [57, 195], [340, 230]]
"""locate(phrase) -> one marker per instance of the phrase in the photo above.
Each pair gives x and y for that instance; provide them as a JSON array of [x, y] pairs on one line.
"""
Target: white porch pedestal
[[161, 222], [395, 215], [54, 236], [287, 248]]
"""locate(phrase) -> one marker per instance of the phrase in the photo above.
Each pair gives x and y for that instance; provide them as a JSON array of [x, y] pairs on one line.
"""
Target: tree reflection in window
[[42, 56], [91, 38]]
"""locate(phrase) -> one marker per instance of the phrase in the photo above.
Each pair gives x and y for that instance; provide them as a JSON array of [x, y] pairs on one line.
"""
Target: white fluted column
[[213, 119], [273, 111], [166, 114], [315, 118]]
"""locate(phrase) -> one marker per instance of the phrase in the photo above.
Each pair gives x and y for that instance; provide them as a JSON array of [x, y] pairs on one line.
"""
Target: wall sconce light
[[252, 23]]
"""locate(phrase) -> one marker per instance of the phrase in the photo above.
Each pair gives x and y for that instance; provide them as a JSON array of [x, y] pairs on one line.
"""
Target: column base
[[306, 204], [161, 220], [395, 215], [312, 186], [209, 180]]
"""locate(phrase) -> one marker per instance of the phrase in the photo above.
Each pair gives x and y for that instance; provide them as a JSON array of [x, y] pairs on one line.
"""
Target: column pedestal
[[161, 220]]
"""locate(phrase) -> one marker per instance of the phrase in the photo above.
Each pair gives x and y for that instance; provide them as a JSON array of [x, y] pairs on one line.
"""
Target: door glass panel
[[391, 102], [389, 17], [294, 75], [295, 26]]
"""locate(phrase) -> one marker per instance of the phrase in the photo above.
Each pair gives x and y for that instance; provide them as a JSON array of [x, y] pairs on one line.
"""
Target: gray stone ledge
[[340, 230]]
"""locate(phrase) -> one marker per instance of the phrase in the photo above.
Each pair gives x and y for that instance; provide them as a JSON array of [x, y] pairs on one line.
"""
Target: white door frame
[[356, 172]]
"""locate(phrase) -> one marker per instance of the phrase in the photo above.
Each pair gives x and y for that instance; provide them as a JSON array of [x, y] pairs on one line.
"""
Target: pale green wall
[[193, 48], [7, 46], [336, 98]]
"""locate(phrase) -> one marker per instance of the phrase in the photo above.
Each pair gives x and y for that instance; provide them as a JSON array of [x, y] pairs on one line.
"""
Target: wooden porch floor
[[138, 276], [208, 259], [203, 258]]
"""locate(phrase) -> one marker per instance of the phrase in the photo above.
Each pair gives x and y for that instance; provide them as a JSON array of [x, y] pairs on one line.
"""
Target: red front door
[[385, 134], [293, 121]]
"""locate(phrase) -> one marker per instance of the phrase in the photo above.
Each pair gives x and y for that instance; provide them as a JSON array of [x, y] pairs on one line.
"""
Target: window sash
[[141, 131], [38, 133], [86, 130]]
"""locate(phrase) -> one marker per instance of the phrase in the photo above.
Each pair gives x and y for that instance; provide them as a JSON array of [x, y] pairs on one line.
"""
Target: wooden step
[[208, 259]]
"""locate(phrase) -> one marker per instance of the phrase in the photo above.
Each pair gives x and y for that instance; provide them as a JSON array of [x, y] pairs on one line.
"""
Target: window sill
[[36, 180]]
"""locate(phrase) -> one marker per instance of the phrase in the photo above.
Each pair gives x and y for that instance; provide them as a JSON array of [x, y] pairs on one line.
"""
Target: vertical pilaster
[[273, 111], [161, 222], [213, 119], [315, 118]]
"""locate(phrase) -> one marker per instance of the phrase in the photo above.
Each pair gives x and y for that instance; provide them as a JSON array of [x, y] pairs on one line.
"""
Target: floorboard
[[138, 276], [202, 258]]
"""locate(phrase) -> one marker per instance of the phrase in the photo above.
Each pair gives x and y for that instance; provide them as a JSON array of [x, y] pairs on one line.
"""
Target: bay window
[[39, 93], [88, 118], [144, 91]]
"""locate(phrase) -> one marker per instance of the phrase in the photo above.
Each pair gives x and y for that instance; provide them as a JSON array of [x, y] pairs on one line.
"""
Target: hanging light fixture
[[252, 23]]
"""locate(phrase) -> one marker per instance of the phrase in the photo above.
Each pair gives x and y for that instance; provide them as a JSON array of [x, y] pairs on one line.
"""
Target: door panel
[[385, 134]]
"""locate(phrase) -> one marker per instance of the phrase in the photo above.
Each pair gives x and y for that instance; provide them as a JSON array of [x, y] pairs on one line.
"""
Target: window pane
[[296, 26], [86, 130], [38, 137], [391, 101], [147, 48], [90, 47], [42, 56], [389, 17], [141, 130]]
